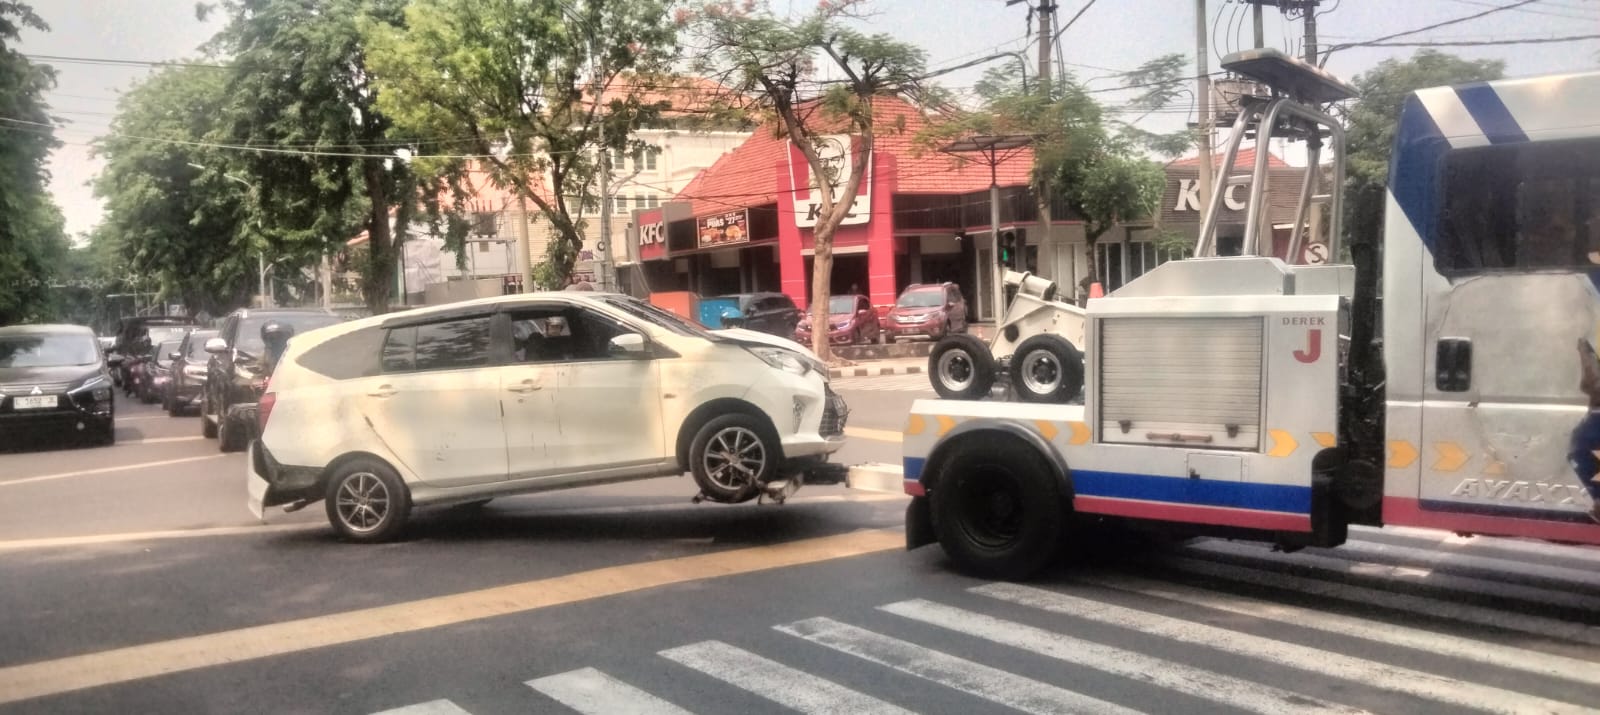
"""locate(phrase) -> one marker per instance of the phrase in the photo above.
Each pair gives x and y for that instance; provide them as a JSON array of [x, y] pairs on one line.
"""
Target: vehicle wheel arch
[[712, 409], [969, 432], [338, 463]]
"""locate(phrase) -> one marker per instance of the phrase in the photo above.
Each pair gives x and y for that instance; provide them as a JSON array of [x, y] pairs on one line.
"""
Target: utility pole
[[1047, 13], [1255, 14], [1203, 87], [1309, 7], [523, 261]]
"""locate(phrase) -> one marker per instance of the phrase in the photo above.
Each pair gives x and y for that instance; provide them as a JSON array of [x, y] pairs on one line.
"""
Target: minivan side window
[[1519, 208], [561, 335], [446, 345]]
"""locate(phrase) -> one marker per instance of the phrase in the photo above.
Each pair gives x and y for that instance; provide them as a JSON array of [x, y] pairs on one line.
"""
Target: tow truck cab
[[1258, 399]]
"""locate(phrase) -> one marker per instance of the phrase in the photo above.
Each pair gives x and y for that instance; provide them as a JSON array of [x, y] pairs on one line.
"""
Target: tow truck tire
[[723, 448], [961, 368], [997, 508], [1047, 368], [367, 502]]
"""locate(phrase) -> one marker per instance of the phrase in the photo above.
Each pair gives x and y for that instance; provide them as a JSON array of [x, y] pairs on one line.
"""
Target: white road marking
[[794, 689], [973, 678], [161, 440], [1502, 656], [1436, 560], [592, 692], [107, 470], [432, 707], [1446, 541], [1462, 694], [1196, 682], [1395, 574], [142, 417], [883, 383], [97, 539], [1408, 603], [876, 435]]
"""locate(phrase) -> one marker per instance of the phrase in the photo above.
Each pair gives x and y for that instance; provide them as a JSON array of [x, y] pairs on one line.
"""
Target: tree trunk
[[377, 285], [821, 284]]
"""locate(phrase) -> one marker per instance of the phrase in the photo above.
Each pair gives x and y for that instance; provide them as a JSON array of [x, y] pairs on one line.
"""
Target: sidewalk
[[890, 366]]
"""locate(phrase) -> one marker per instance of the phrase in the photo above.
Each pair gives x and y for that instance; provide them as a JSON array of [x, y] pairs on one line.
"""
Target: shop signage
[[724, 229], [834, 150], [1234, 198], [652, 236]]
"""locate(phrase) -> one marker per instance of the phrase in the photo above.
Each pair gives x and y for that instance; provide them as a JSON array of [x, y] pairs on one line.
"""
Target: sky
[[1108, 37]]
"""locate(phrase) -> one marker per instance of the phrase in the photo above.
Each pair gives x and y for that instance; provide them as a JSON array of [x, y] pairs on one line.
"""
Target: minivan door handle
[[383, 391], [526, 386], [1452, 365]]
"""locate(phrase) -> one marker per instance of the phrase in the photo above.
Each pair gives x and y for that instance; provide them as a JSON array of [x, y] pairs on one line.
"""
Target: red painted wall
[[877, 234]]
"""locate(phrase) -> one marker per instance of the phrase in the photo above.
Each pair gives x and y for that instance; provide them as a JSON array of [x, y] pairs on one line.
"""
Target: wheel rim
[[734, 458], [956, 370], [1041, 372], [362, 502], [992, 507]]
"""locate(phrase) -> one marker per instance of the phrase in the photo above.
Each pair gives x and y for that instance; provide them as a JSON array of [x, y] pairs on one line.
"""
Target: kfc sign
[[652, 236], [838, 160], [1189, 196]]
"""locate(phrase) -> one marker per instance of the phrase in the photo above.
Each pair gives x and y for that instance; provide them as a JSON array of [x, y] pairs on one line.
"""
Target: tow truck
[[1446, 379]]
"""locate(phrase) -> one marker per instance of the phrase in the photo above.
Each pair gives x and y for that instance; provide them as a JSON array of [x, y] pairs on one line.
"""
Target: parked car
[[157, 371], [461, 403], [188, 373], [929, 310], [851, 319], [770, 313], [237, 371], [53, 379], [135, 336]]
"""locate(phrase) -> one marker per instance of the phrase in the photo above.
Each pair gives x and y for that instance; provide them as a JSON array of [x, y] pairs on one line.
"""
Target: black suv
[[236, 374], [770, 313], [136, 336]]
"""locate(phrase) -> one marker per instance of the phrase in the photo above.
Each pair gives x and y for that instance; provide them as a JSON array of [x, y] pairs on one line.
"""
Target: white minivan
[[461, 403]]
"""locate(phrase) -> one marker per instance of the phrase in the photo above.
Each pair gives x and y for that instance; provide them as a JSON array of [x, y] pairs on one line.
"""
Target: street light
[[261, 256]]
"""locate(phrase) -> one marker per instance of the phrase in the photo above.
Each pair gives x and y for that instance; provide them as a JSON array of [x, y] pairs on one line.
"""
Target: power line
[[1434, 26], [1482, 43]]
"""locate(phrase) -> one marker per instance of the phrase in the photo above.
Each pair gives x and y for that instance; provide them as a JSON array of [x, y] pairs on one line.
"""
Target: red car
[[931, 310], [851, 319]]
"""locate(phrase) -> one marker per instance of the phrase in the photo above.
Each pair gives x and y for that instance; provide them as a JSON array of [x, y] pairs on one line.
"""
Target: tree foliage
[[812, 76], [32, 240], [1371, 122], [298, 78], [543, 91], [172, 213]]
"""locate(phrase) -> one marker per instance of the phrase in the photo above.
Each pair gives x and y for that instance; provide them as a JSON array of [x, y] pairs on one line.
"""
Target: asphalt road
[[147, 587]]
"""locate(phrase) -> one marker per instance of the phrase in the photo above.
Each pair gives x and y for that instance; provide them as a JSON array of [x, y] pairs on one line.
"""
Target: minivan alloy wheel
[[734, 458], [362, 502]]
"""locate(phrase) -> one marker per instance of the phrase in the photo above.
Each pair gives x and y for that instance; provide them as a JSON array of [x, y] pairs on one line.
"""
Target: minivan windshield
[[197, 344], [931, 298], [164, 351], [841, 305], [656, 316], [47, 350]]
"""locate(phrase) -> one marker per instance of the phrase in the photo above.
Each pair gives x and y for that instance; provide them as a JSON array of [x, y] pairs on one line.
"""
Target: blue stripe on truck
[[1205, 492]]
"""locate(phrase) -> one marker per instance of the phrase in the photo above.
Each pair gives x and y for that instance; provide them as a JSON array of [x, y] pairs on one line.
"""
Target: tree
[[299, 82], [172, 213], [32, 240], [541, 91], [812, 76], [1095, 167], [1371, 122]]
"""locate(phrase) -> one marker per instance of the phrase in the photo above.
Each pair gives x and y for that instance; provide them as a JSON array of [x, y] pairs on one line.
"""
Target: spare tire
[[1047, 368], [961, 368]]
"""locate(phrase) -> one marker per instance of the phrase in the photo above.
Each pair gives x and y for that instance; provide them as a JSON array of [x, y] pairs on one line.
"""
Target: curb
[[875, 371]]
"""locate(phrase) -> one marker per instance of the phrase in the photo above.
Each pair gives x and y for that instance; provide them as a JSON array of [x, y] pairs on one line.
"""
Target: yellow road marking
[[1401, 454], [946, 424], [104, 470], [1451, 456], [877, 435], [51, 677], [1283, 443], [1325, 439], [97, 539], [1080, 433], [915, 424], [1047, 428]]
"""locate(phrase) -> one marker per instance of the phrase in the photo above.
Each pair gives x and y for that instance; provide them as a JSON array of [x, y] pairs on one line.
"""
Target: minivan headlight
[[781, 359], [99, 384]]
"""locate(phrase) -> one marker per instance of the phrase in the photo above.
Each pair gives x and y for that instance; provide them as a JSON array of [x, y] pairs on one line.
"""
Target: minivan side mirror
[[174, 355], [629, 345], [216, 346]]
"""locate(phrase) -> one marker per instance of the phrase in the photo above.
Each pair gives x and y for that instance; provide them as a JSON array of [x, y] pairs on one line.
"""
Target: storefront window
[[1140, 254]]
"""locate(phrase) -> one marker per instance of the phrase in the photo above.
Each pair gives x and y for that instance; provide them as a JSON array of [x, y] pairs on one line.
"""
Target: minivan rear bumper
[[271, 483]]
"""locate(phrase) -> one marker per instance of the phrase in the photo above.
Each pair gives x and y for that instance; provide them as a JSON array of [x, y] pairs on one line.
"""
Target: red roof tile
[[1245, 159], [746, 176]]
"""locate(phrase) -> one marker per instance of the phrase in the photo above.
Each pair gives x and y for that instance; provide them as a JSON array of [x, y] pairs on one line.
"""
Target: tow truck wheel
[[997, 509], [961, 368], [731, 458], [1047, 368], [367, 502]]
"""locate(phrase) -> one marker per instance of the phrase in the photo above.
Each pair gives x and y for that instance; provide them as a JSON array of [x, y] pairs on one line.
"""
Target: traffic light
[[1008, 247]]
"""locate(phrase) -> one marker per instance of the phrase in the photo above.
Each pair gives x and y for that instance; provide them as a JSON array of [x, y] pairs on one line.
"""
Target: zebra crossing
[[884, 383], [1389, 624]]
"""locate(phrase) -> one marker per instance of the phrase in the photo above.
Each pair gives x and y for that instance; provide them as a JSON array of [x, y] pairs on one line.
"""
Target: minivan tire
[[719, 478], [367, 502], [208, 424]]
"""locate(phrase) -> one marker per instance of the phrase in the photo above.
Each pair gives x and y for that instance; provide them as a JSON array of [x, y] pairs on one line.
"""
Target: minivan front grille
[[834, 415]]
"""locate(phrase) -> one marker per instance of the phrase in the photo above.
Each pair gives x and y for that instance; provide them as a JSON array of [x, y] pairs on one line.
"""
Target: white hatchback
[[461, 403]]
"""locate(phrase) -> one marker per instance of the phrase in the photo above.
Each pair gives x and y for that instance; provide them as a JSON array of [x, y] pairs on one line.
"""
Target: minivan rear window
[[346, 357]]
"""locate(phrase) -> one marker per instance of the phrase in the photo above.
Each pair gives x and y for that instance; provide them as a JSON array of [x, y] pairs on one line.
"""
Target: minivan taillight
[[264, 410]]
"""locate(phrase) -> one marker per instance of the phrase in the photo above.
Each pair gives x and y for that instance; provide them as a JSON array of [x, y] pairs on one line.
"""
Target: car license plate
[[35, 403]]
